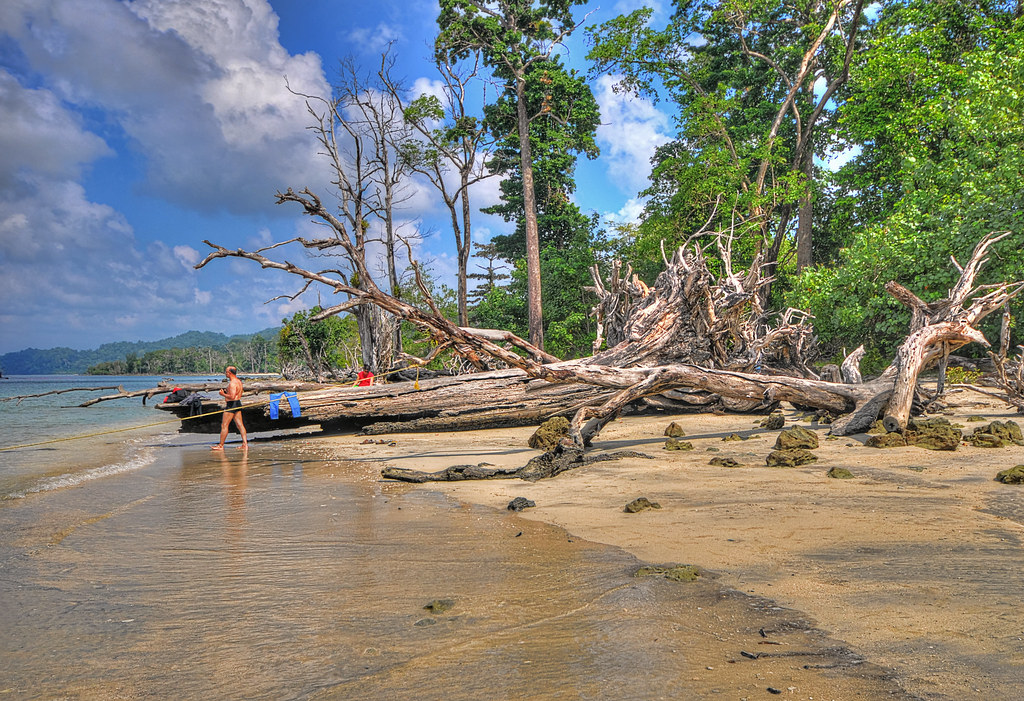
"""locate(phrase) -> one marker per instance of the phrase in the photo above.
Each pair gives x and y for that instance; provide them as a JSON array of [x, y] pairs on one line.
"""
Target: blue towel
[[293, 403]]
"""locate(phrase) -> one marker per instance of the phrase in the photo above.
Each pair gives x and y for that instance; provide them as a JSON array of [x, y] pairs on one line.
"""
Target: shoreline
[[913, 563]]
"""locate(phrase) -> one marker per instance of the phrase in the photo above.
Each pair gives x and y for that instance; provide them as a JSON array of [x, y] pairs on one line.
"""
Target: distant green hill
[[67, 361]]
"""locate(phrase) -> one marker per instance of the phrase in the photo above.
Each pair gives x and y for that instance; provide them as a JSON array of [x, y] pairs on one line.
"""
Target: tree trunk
[[534, 307], [804, 248]]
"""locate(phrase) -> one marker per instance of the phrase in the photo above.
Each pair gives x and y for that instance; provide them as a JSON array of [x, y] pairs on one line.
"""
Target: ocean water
[[140, 564], [50, 441]]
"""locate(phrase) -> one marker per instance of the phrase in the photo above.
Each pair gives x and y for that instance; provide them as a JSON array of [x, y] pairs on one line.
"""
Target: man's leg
[[225, 422], [241, 429]]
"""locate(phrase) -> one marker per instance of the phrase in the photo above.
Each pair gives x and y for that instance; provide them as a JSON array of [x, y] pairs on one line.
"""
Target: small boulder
[[1015, 475], [674, 430], [933, 434], [1007, 433], [640, 504], [877, 429], [677, 573], [676, 444], [796, 438], [839, 473], [887, 440], [976, 419], [724, 462], [520, 503], [774, 421], [549, 434], [734, 437], [440, 605], [986, 440], [790, 458]]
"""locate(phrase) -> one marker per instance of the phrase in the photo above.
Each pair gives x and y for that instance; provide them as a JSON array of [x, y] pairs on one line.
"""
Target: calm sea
[[66, 444], [140, 564]]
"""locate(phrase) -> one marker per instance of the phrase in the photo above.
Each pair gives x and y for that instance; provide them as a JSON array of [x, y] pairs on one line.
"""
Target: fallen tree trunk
[[690, 331]]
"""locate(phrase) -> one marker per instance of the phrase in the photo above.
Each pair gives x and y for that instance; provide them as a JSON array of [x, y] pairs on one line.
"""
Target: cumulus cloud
[[632, 128], [199, 90], [374, 40], [40, 135], [74, 271], [630, 213]]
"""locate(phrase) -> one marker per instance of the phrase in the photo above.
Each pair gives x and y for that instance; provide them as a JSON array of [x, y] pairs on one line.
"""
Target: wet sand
[[914, 564], [288, 573]]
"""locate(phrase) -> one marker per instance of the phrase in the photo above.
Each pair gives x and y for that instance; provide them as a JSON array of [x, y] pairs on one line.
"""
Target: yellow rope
[[183, 418]]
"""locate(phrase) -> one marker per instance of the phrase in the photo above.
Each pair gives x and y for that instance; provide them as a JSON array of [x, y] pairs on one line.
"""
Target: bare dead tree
[[693, 330], [452, 151]]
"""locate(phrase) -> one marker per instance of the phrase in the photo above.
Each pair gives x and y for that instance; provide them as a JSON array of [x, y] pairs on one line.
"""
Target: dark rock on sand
[[997, 435], [676, 444], [887, 440], [734, 437], [774, 421], [796, 438], [640, 504], [549, 434], [724, 462], [520, 503], [839, 473], [1015, 475], [790, 458], [677, 573], [674, 430], [932, 434], [440, 605]]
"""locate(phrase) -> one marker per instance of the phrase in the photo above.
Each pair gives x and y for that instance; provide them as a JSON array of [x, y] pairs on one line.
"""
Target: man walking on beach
[[233, 396]]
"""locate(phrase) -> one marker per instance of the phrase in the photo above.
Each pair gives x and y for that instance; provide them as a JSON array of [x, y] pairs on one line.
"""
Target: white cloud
[[374, 40], [632, 128], [187, 255], [198, 88], [38, 134], [630, 213], [428, 86]]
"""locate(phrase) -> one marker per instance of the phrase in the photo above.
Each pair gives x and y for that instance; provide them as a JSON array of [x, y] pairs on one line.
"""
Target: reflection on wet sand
[[263, 576]]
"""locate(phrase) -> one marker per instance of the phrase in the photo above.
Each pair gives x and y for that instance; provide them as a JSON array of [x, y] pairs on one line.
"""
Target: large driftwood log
[[690, 330]]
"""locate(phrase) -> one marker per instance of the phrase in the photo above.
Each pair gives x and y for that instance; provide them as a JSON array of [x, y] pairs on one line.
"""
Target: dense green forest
[[200, 352], [922, 99], [840, 145]]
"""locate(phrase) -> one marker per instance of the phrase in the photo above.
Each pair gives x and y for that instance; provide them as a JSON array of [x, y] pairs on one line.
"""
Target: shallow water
[[281, 574]]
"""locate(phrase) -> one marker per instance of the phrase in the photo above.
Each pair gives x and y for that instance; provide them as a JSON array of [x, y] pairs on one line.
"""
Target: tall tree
[[512, 36], [360, 129], [937, 108], [491, 275], [753, 81], [452, 142]]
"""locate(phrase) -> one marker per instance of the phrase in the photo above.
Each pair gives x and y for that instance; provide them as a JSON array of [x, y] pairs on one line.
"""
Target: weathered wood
[[849, 371], [689, 330]]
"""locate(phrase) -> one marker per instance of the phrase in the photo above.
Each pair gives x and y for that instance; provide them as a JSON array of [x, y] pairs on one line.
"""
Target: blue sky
[[132, 131]]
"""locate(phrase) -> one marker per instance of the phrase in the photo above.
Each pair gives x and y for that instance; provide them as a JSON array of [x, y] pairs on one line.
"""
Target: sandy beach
[[914, 564]]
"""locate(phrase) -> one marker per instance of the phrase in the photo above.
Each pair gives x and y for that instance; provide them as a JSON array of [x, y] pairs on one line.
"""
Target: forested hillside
[[192, 351]]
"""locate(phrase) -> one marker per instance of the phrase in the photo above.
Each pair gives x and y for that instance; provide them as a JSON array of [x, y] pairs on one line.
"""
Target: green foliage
[[726, 64], [957, 375], [554, 144], [249, 353], [569, 330], [332, 342], [939, 104]]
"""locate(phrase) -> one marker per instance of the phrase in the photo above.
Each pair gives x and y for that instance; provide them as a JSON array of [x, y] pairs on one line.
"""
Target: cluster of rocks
[[793, 448], [939, 434]]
